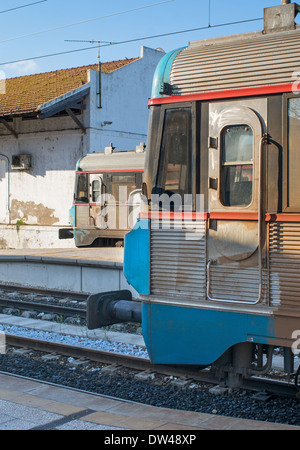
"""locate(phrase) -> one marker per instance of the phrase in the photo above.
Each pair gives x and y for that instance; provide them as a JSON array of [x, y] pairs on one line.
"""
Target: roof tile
[[24, 94]]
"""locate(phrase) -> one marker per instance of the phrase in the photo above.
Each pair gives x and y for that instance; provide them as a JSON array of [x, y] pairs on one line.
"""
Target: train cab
[[107, 197], [215, 254]]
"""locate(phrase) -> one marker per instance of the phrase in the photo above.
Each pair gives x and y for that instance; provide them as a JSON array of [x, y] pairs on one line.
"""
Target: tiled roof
[[24, 94]]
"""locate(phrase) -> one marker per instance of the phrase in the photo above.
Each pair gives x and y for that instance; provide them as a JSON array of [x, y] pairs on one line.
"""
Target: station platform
[[88, 270], [27, 404], [34, 405]]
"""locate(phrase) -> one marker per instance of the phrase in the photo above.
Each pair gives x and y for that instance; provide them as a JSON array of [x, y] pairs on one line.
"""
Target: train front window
[[81, 191], [236, 165], [175, 153]]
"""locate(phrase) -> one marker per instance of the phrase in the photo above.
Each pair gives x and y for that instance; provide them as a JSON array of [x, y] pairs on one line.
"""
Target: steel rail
[[25, 305], [132, 362], [39, 305], [128, 361], [191, 374], [40, 291]]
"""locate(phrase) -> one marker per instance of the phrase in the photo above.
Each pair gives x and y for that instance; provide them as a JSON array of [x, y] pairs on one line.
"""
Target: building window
[[236, 165]]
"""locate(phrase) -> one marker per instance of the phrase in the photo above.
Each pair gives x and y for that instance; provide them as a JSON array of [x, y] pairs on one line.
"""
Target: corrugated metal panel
[[233, 282], [178, 260], [82, 216], [213, 65], [284, 263]]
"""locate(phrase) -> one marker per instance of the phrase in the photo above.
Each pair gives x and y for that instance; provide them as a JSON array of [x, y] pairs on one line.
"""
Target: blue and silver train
[[215, 254]]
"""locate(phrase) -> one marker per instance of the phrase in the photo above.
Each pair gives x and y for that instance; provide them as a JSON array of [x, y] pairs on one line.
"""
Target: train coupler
[[112, 307], [66, 233]]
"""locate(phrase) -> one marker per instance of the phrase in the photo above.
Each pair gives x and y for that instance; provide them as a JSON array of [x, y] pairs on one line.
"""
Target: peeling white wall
[[41, 196], [35, 203]]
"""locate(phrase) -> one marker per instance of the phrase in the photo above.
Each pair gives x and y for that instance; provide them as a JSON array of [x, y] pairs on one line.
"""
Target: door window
[[96, 191], [236, 165]]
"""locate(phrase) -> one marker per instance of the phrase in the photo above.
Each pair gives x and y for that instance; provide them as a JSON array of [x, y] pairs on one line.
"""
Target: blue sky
[[43, 28]]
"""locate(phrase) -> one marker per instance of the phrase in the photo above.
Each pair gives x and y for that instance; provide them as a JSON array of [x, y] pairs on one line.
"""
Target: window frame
[[85, 200], [94, 191], [286, 207], [223, 164], [193, 106]]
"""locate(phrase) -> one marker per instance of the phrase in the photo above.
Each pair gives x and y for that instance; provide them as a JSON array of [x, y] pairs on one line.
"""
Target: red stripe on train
[[233, 93]]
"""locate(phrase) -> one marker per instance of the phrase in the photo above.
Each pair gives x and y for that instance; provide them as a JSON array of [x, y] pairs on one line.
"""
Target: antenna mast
[[99, 93]]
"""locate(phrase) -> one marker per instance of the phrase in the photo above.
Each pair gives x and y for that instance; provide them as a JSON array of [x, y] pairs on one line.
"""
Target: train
[[215, 254], [107, 197]]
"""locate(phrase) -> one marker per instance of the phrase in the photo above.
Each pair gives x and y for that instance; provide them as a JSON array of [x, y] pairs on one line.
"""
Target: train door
[[122, 185], [234, 238], [97, 202]]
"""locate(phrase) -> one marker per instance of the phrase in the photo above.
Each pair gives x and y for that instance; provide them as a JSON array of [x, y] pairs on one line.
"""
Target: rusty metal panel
[[178, 260], [233, 282], [284, 263], [251, 60]]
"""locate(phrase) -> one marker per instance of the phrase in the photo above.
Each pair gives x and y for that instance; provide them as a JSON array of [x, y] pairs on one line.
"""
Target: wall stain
[[3, 243], [32, 213]]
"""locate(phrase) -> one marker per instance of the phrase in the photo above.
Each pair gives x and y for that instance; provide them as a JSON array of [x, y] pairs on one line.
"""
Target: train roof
[[121, 160], [263, 58], [236, 62]]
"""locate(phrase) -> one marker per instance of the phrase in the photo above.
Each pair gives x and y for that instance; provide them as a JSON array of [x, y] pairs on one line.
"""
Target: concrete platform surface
[[88, 270], [92, 254], [27, 405]]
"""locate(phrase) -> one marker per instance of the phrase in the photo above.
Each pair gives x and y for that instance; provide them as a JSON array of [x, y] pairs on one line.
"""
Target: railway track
[[23, 298], [46, 301], [183, 375], [43, 292]]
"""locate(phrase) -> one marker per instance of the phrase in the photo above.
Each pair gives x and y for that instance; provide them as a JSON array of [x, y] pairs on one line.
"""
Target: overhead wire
[[131, 40], [84, 21], [22, 6]]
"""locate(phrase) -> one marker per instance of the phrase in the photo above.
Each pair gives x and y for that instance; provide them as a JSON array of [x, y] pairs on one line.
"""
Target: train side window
[[236, 165], [175, 153], [293, 162]]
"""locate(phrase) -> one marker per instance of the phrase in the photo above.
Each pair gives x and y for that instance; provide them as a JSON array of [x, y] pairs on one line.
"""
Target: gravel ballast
[[161, 394], [158, 391]]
